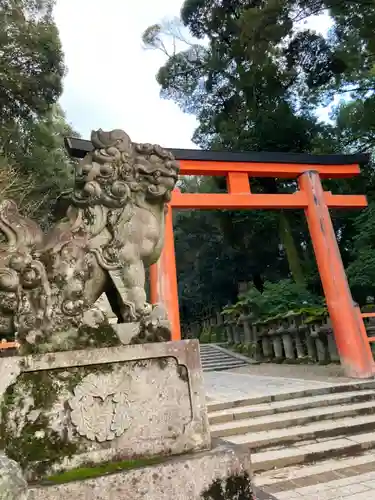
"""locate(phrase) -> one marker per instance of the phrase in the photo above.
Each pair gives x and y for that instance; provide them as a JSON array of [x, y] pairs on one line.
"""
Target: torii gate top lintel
[[330, 166], [238, 166]]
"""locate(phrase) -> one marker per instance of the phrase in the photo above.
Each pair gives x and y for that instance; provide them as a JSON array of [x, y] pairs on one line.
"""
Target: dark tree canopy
[[254, 74]]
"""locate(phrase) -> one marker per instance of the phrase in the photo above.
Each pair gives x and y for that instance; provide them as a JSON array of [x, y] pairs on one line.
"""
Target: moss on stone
[[102, 336], [38, 447], [235, 486], [33, 443], [93, 471], [183, 373], [71, 340]]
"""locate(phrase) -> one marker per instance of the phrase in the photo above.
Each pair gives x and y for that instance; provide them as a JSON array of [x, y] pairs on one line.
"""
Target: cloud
[[111, 78]]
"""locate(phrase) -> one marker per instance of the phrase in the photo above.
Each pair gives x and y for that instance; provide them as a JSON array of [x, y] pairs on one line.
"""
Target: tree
[[254, 76], [31, 61], [38, 157], [237, 107], [213, 257], [361, 271], [32, 125]]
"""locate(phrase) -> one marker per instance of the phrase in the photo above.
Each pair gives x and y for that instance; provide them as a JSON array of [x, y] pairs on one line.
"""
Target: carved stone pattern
[[99, 407], [114, 221]]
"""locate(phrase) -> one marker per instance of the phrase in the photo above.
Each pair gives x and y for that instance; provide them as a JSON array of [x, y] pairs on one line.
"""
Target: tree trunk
[[291, 250]]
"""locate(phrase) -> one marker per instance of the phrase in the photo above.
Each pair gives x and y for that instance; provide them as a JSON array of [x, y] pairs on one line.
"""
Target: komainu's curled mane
[[114, 224]]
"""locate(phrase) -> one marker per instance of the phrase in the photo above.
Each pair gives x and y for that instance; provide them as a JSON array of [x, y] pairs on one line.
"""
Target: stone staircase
[[216, 358], [299, 428]]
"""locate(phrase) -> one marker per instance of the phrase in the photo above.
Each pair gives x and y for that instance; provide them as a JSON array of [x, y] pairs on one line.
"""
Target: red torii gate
[[350, 334]]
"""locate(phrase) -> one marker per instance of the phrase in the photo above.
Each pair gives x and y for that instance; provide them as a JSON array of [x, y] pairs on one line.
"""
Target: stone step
[[222, 360], [309, 432], [243, 412], [216, 355], [287, 396], [289, 419], [316, 473], [223, 366], [215, 358], [215, 352], [209, 348], [342, 446], [220, 357]]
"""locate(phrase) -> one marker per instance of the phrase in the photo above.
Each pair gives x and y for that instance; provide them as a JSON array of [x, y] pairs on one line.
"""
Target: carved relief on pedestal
[[100, 406]]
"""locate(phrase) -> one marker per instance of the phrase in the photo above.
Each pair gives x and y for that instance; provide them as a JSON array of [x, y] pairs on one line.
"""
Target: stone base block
[[12, 482], [220, 474], [62, 410]]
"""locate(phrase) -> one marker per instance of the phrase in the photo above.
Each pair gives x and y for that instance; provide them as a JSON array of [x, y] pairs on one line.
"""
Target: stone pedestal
[[191, 477], [277, 347], [299, 346], [311, 347], [66, 409], [12, 483], [236, 334], [321, 350], [229, 332], [332, 348], [248, 337], [266, 347], [288, 346]]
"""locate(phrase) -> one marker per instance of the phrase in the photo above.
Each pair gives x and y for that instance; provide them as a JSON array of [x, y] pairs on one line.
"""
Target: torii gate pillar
[[353, 347]]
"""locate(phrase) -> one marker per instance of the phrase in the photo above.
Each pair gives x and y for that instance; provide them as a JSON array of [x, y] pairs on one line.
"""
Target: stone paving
[[361, 487], [321, 373], [227, 386]]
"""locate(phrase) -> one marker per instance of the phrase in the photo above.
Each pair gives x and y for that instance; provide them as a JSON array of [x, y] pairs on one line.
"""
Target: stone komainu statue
[[114, 223]]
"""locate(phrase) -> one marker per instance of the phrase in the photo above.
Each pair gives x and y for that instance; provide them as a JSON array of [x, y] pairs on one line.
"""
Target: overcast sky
[[111, 78]]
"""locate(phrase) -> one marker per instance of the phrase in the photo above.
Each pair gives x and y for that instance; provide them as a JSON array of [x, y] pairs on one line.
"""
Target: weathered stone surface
[[10, 368], [13, 486], [113, 228], [69, 408], [127, 331], [104, 305], [212, 473], [155, 328]]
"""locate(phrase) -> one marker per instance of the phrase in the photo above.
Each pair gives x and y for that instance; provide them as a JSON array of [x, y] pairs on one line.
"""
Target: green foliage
[[31, 60], [212, 334], [276, 299], [42, 169], [255, 75], [250, 350], [238, 348], [32, 125], [361, 271], [205, 336]]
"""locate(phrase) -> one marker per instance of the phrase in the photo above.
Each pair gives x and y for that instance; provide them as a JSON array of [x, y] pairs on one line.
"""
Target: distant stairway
[[299, 428], [215, 358]]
